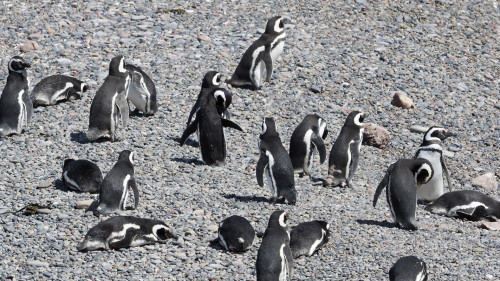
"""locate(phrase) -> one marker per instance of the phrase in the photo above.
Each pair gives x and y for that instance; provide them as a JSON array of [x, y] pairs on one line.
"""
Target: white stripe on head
[[216, 79], [155, 230], [10, 65], [131, 157], [282, 219], [220, 93], [121, 66], [357, 121], [82, 86], [321, 126], [426, 167], [277, 27], [264, 127], [429, 137]]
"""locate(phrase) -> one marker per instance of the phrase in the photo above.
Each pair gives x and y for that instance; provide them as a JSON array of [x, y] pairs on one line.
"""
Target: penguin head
[[18, 64], [436, 134], [290, 194], [84, 87], [268, 126], [223, 99], [322, 128], [117, 66], [66, 162], [278, 219], [211, 78], [127, 155], [423, 171], [275, 25], [162, 232]]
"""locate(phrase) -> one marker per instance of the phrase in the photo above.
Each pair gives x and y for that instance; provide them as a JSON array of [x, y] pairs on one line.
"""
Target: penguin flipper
[[124, 242], [261, 166], [320, 145], [268, 61], [230, 124], [191, 128], [353, 147], [472, 214], [123, 108], [381, 185], [133, 185], [193, 110], [447, 173]]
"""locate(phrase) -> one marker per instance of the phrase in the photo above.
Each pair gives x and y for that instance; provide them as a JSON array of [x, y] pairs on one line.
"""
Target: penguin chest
[[277, 47], [284, 264], [23, 113], [309, 150]]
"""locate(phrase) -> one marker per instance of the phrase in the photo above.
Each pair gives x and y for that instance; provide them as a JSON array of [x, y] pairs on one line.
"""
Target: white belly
[[434, 188]]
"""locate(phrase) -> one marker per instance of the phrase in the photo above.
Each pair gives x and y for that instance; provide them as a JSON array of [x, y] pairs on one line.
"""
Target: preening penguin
[[81, 175], [259, 59], [402, 179], [236, 234], [274, 259], [15, 104], [142, 91], [409, 268], [53, 89], [308, 237], [110, 102]]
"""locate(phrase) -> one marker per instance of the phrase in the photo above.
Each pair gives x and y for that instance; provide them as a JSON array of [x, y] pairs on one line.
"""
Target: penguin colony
[[405, 180]]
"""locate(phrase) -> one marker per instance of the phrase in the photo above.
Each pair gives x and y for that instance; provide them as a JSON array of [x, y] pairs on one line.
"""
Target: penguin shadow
[[247, 199], [214, 244], [58, 183], [378, 223], [189, 142], [81, 137], [137, 114], [188, 161]]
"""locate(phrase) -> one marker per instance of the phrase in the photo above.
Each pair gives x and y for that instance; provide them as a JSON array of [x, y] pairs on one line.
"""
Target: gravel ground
[[338, 55]]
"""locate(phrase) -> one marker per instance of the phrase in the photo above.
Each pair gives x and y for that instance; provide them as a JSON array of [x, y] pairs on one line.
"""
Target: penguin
[[113, 192], [142, 92], [344, 156], [409, 268], [274, 259], [466, 204], [236, 234], [259, 59], [431, 150], [124, 231], [110, 102], [402, 179], [210, 127], [308, 237], [15, 104], [211, 81], [275, 162], [53, 89], [81, 175], [306, 139]]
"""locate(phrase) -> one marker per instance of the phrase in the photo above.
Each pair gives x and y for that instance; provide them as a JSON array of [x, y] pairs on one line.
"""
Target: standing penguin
[[409, 268], [211, 81], [81, 175], [431, 150], [344, 155], [402, 179], [236, 234], [306, 138], [259, 58], [55, 88], [275, 162], [274, 259], [15, 104], [113, 193], [209, 125], [142, 91], [110, 102], [307, 237]]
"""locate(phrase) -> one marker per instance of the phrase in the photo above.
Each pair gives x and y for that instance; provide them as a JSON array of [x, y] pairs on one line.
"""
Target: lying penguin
[[308, 237], [56, 88]]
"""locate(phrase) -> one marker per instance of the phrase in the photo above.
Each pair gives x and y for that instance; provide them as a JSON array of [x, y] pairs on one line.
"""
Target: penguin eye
[[281, 24], [361, 119]]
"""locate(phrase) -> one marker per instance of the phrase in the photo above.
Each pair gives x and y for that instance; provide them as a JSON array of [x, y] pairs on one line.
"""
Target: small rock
[[487, 181], [51, 31], [64, 61], [401, 100], [376, 136], [30, 46], [45, 184], [203, 37], [490, 225], [38, 263], [418, 129], [315, 90], [35, 36], [212, 227], [84, 204]]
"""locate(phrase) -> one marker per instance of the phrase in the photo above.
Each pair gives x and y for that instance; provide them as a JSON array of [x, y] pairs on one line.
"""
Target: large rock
[[376, 136], [400, 99], [487, 182]]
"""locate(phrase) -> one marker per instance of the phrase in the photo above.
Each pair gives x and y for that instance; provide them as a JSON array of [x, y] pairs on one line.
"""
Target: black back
[[211, 81], [84, 173], [408, 269], [304, 235], [48, 86], [298, 148], [235, 227]]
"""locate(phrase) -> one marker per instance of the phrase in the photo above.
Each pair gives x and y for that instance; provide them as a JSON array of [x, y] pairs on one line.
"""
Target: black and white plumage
[[114, 190], [236, 234], [15, 104], [260, 58], [308, 237], [110, 102], [53, 89], [466, 204], [81, 175], [142, 92], [124, 231], [274, 259], [409, 268], [344, 156], [275, 163], [306, 139], [210, 126], [402, 179], [431, 150]]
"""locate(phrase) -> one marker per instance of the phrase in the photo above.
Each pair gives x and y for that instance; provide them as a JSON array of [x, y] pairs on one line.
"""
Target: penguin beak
[[26, 65], [449, 134]]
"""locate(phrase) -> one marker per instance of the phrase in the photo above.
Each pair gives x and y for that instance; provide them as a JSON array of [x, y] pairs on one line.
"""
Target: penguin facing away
[[402, 179], [274, 259], [142, 91], [236, 234], [258, 60], [110, 102], [123, 232], [275, 163], [114, 190], [409, 268], [431, 150], [81, 175], [344, 156], [466, 204], [211, 81], [53, 89], [308, 237], [210, 127], [306, 139], [15, 104]]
